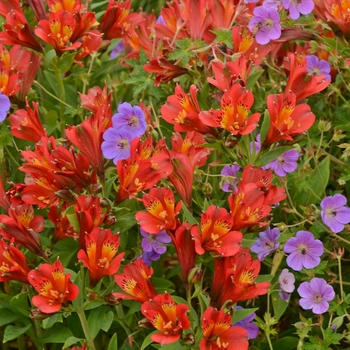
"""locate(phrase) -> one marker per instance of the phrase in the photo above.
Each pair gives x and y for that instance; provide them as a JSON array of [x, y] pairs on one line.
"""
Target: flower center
[[317, 298], [303, 249], [122, 144], [331, 212], [134, 121]]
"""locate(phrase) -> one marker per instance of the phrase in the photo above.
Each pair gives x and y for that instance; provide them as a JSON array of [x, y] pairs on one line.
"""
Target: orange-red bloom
[[233, 116], [167, 317], [162, 212], [234, 279], [13, 264], [219, 333], [99, 255], [136, 281], [215, 233], [53, 285]]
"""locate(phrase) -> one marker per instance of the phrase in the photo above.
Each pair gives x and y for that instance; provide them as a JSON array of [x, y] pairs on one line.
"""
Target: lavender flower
[[285, 163], [257, 145], [304, 251], [316, 67], [4, 106], [286, 281], [266, 243], [334, 213], [131, 119], [315, 295], [272, 3], [230, 180], [246, 323], [154, 242], [116, 144], [148, 257], [160, 20], [266, 24], [117, 50], [297, 7]]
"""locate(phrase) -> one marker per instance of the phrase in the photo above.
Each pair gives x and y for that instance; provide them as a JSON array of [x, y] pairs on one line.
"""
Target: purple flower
[[316, 67], [285, 163], [286, 281], [334, 213], [266, 24], [4, 106], [297, 7], [285, 296], [315, 295], [116, 144], [154, 242], [246, 323], [257, 145], [131, 119], [149, 257], [160, 20], [117, 50], [230, 180], [272, 3], [304, 251], [266, 243]]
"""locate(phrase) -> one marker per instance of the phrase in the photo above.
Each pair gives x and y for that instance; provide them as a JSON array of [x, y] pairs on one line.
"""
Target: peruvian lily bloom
[[216, 235], [13, 266], [220, 334], [100, 254], [234, 279], [233, 116], [162, 212], [167, 317], [54, 287], [136, 281], [26, 124]]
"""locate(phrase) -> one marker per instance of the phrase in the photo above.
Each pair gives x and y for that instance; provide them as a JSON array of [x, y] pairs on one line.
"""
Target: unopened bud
[[65, 195], [189, 339], [96, 189], [195, 275], [207, 188], [38, 315], [93, 296], [104, 203], [337, 322], [109, 220], [155, 135], [324, 126], [111, 299], [145, 323]]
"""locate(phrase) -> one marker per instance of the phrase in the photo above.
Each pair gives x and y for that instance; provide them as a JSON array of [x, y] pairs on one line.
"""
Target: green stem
[[85, 326], [21, 342], [340, 278], [188, 294], [121, 317], [62, 98], [269, 340], [50, 94]]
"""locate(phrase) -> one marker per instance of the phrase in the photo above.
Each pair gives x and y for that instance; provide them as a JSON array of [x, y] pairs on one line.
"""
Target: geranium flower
[[266, 24], [315, 295], [247, 324], [117, 50], [130, 119], [316, 67], [334, 213], [285, 163], [54, 286], [229, 179], [154, 242], [266, 243], [4, 106], [304, 251], [286, 281], [148, 257], [297, 7]]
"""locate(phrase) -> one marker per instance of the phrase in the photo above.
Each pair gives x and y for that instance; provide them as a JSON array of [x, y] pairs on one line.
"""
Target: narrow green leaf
[[78, 302], [113, 343], [241, 314], [254, 77], [189, 217], [286, 343], [148, 340], [272, 155], [95, 315], [49, 56], [66, 62], [265, 127]]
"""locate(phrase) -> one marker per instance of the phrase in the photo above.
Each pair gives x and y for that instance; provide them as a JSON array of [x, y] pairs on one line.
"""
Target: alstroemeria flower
[[53, 285]]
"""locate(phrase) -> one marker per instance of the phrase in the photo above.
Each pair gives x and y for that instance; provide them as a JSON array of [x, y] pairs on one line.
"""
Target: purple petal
[[146, 245], [343, 215], [310, 261], [306, 6], [294, 261], [306, 304]]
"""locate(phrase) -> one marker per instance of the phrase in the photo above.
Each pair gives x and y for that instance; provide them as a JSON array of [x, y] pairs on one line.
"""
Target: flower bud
[[93, 296], [189, 339], [111, 299], [65, 195], [195, 275], [145, 323], [38, 315], [337, 322], [104, 203], [207, 188], [110, 220], [324, 126]]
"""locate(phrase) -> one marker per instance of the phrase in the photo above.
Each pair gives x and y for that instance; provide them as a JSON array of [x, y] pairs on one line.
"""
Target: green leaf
[[70, 341], [272, 155], [125, 222], [65, 62], [113, 343], [13, 332], [254, 77], [279, 305], [286, 343], [49, 322], [93, 318], [106, 321], [57, 334], [7, 316], [5, 137], [240, 314], [49, 56], [65, 249], [173, 346], [78, 302], [223, 36], [189, 217], [20, 303], [148, 340], [265, 127]]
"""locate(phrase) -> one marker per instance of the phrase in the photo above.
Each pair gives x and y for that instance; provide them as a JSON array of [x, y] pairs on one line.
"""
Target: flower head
[[116, 144], [4, 106], [286, 281], [229, 179], [266, 24], [315, 295], [154, 242], [247, 324], [130, 119], [117, 50], [304, 251], [266, 243], [285, 163], [316, 67], [297, 7], [334, 213], [148, 257]]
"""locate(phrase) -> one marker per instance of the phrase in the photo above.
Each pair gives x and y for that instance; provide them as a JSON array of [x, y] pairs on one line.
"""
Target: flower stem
[[85, 326], [62, 99], [340, 278], [188, 294]]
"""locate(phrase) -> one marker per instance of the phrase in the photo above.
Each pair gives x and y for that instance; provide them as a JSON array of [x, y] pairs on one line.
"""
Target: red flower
[[54, 287], [23, 227], [182, 111], [7, 5], [286, 118], [219, 333], [166, 316], [97, 99], [63, 227], [162, 211], [13, 264], [233, 116], [216, 235], [70, 6], [38, 8], [136, 281], [26, 124], [99, 255], [234, 279], [9, 78]]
